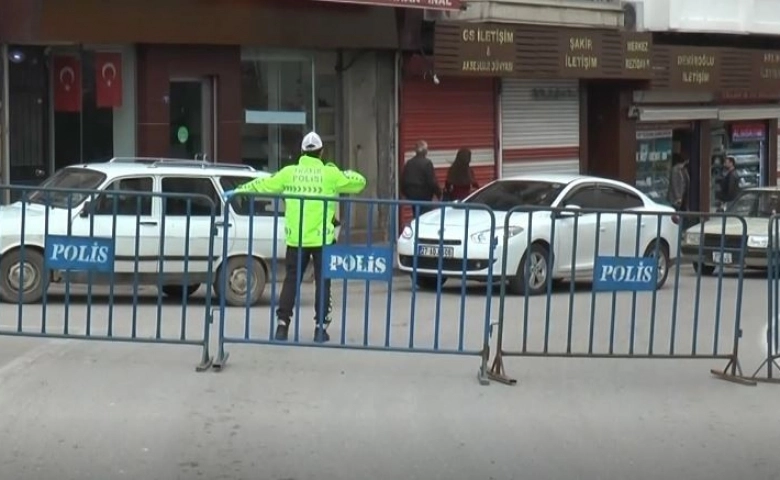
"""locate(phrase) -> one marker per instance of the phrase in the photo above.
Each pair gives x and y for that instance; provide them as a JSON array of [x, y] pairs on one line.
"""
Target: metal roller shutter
[[457, 113], [540, 122]]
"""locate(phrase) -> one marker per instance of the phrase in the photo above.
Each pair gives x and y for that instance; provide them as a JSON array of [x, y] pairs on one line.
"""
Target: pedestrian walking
[[729, 183], [316, 217], [460, 177], [418, 178]]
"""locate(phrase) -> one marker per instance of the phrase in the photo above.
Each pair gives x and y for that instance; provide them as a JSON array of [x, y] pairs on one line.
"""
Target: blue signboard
[[625, 274], [357, 262], [79, 253]]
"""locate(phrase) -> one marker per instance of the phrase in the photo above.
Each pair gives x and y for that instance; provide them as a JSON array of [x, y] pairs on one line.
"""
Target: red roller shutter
[[460, 112]]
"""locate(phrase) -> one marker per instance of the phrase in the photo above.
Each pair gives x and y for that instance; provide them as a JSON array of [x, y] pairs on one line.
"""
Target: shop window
[[326, 115], [278, 104], [86, 135], [746, 142], [654, 163]]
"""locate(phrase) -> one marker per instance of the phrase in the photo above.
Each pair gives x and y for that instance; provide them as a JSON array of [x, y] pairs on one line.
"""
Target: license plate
[[428, 251], [722, 257]]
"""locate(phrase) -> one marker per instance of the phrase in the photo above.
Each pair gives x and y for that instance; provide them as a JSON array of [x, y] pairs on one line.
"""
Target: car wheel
[[703, 269], [179, 291], [28, 283], [237, 280], [539, 270], [662, 265], [429, 283]]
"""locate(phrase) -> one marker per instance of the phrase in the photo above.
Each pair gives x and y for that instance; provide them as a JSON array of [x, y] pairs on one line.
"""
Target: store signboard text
[[581, 54], [637, 53], [766, 72], [487, 50], [693, 68]]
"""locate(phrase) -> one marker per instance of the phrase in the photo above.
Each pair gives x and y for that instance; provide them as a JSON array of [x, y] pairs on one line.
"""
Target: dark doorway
[[186, 118], [28, 115]]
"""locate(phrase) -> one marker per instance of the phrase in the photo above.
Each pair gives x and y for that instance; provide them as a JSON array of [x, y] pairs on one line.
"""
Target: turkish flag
[[67, 84], [108, 79]]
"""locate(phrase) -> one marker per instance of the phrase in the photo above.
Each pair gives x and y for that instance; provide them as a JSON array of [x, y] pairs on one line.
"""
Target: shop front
[[91, 80], [706, 104], [562, 93]]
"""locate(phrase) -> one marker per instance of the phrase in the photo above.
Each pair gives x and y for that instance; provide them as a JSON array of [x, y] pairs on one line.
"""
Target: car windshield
[[67, 178], [507, 194], [756, 204]]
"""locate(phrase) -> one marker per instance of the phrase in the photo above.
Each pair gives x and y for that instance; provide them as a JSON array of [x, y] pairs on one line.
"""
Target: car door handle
[[222, 224], [148, 224], [603, 229]]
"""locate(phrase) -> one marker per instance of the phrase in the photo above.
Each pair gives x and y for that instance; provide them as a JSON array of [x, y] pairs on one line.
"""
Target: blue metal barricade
[[361, 303], [623, 308], [770, 363], [112, 265]]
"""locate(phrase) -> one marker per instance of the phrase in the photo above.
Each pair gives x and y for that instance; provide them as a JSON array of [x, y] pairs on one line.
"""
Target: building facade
[[592, 94], [241, 83]]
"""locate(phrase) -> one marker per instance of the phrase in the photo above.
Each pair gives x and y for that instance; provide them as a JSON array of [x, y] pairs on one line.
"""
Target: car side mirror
[[570, 211], [86, 210]]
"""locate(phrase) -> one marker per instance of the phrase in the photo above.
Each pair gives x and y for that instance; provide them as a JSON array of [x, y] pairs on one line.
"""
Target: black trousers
[[292, 283]]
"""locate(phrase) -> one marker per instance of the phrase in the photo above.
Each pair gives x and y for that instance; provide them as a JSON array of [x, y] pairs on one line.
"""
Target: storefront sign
[[741, 132], [581, 53], [637, 51], [427, 4], [766, 71], [487, 50], [694, 68]]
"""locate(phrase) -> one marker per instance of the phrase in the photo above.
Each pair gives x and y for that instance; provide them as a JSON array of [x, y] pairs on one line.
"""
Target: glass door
[[279, 109], [191, 118]]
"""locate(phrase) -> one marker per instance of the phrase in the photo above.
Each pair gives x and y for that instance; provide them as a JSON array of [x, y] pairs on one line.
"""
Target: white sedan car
[[540, 242], [720, 240]]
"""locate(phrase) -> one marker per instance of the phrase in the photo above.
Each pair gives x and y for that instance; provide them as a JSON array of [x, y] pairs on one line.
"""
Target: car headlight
[[758, 241], [484, 236], [407, 232], [693, 238]]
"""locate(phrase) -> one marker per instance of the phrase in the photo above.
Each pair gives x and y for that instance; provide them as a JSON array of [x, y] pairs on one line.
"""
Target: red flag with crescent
[[108, 84], [67, 83]]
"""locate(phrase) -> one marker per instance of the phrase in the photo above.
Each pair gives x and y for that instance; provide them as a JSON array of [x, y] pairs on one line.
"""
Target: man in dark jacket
[[418, 179], [729, 184]]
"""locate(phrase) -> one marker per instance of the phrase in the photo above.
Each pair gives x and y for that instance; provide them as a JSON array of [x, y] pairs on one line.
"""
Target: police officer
[[309, 177]]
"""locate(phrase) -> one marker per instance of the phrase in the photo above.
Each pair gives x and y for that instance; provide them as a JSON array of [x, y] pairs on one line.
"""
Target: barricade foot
[[735, 376], [769, 363], [205, 363], [498, 373], [220, 361]]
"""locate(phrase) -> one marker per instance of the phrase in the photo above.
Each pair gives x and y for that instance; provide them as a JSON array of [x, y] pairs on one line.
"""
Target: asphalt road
[[83, 410]]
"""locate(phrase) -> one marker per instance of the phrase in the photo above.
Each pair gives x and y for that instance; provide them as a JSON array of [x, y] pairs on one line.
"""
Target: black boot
[[320, 334], [282, 327]]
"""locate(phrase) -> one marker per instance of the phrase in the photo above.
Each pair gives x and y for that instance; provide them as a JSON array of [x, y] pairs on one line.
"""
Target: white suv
[[154, 243]]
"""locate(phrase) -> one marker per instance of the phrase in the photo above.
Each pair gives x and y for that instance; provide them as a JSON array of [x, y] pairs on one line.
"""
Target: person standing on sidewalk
[[729, 184], [316, 217], [418, 179]]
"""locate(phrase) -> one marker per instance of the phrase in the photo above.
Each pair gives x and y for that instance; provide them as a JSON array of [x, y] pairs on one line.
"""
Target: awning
[[674, 114], [426, 4]]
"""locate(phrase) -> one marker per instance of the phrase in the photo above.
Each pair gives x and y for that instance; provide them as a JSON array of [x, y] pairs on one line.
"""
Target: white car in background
[[719, 241], [532, 237], [154, 242]]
